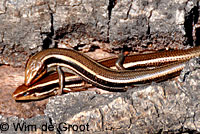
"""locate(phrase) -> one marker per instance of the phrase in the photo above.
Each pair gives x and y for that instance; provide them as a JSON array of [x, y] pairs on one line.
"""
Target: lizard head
[[35, 69], [25, 93]]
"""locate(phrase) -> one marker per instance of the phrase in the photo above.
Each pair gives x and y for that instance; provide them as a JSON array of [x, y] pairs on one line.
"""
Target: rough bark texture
[[27, 27]]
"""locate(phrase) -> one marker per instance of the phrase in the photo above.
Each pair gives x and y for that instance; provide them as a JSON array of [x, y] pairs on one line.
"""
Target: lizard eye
[[37, 75], [40, 72], [42, 69], [26, 94]]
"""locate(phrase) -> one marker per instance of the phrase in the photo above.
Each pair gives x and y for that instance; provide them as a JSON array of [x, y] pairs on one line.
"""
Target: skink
[[49, 84], [101, 76], [135, 61]]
